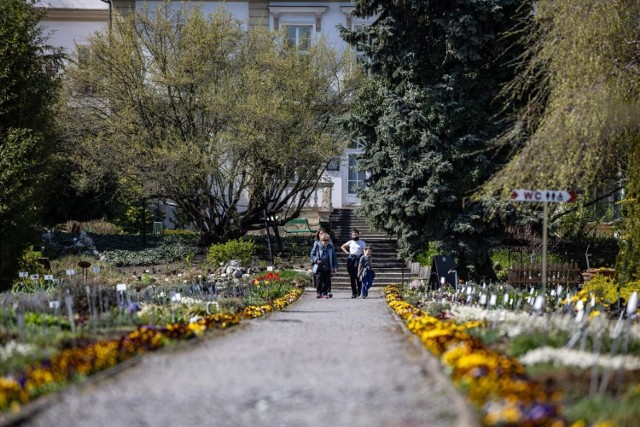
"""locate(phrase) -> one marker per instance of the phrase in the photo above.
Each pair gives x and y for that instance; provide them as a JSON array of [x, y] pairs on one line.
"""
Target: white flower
[[13, 349], [582, 359]]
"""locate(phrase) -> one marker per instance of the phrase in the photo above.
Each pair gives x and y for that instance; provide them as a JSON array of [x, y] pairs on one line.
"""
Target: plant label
[[632, 305], [483, 299], [95, 269], [35, 277], [48, 277], [23, 274], [176, 298], [121, 287], [70, 272], [269, 268], [492, 300], [54, 304], [539, 302]]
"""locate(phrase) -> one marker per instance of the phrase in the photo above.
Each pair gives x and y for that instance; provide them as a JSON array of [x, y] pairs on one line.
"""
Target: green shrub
[[29, 261], [424, 257], [97, 226], [178, 232], [240, 249], [130, 220]]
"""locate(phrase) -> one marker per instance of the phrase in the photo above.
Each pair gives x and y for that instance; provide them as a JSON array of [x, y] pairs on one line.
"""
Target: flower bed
[[66, 365], [495, 383]]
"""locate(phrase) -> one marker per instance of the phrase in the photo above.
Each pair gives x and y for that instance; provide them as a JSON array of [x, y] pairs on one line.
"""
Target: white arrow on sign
[[543, 196]]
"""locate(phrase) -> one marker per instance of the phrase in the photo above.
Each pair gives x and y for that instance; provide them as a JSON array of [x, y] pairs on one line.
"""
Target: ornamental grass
[[493, 382]]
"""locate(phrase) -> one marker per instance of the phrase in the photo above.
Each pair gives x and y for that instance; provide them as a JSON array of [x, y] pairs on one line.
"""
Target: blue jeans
[[367, 283]]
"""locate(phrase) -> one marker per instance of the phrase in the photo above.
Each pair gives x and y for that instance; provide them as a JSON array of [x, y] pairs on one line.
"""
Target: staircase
[[388, 268]]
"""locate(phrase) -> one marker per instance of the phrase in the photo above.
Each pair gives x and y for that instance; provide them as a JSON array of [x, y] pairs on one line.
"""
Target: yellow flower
[[196, 328]]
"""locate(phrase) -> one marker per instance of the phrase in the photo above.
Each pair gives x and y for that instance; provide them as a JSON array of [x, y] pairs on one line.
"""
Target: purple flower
[[133, 307], [541, 411]]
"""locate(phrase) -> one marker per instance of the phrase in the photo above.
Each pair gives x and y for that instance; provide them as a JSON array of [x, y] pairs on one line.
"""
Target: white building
[[71, 22]]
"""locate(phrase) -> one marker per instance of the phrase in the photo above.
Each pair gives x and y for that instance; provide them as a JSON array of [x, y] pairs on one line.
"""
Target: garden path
[[336, 362]]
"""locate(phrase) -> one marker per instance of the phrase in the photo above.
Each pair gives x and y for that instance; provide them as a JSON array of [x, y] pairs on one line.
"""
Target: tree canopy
[[579, 127], [427, 118], [579, 80], [230, 125], [28, 90]]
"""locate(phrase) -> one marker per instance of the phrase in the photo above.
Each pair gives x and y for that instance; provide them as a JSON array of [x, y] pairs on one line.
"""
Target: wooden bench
[[298, 225]]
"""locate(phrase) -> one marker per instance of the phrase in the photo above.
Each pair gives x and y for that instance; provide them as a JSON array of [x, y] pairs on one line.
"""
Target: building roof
[[73, 4]]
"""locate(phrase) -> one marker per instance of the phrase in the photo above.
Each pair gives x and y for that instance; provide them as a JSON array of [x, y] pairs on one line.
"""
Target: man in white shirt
[[355, 249]]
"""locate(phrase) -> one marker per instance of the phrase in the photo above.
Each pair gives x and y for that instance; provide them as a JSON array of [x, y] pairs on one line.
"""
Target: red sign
[[543, 196]]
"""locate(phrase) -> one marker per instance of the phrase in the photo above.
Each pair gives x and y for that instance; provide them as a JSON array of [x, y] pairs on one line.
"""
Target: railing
[[320, 200], [559, 274]]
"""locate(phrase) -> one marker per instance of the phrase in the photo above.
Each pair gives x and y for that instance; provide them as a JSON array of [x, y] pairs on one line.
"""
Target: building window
[[333, 164], [299, 36], [356, 178]]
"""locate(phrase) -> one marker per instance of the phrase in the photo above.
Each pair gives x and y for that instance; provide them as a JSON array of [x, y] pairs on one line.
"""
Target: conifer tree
[[427, 118], [28, 89]]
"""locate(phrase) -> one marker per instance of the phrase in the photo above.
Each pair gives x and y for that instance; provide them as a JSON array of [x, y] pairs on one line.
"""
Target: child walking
[[365, 272]]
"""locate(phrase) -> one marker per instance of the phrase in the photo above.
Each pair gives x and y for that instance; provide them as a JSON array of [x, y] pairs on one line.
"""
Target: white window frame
[[297, 38], [298, 16], [358, 178]]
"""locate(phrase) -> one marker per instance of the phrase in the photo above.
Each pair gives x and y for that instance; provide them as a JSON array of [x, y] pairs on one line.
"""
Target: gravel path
[[336, 362]]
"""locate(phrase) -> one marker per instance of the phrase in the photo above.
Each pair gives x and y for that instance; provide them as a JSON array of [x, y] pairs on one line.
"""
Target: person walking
[[318, 241], [325, 262], [355, 249], [365, 272]]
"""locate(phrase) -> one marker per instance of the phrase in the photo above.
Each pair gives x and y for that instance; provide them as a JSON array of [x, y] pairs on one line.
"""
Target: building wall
[[238, 9], [72, 22]]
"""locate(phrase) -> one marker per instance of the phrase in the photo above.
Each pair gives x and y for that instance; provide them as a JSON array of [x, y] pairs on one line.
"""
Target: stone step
[[389, 269]]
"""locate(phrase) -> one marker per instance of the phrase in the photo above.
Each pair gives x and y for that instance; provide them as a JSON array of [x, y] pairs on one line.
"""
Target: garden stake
[[625, 349], [68, 299], [617, 332], [632, 307], [518, 303], [99, 297], [88, 291], [593, 386], [579, 317], [20, 322], [583, 342]]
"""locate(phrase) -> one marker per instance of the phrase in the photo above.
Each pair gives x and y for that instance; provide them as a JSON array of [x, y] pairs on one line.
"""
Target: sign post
[[544, 197]]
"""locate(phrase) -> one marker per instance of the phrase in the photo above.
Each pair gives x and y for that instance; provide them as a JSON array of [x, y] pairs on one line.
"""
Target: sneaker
[[330, 295], [319, 296], [353, 296], [364, 296], [326, 297]]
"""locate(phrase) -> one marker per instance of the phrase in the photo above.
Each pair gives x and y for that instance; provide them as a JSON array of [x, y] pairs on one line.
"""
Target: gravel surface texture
[[335, 362]]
